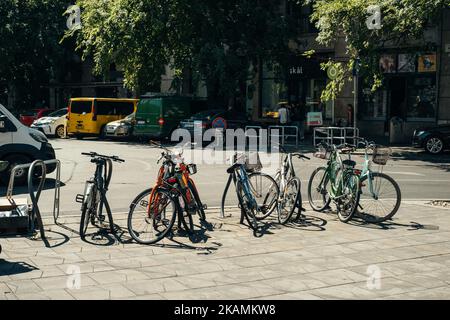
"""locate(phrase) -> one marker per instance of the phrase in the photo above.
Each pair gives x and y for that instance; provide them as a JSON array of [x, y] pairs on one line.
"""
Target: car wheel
[[102, 133], [434, 145], [21, 175], [59, 132]]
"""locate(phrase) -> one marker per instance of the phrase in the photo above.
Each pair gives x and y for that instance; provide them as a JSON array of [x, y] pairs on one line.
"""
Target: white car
[[54, 124]]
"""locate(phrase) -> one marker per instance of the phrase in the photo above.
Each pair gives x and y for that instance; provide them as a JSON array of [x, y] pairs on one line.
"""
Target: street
[[316, 258], [420, 176]]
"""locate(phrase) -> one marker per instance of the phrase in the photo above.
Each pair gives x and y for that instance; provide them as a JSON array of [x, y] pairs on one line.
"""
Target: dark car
[[434, 140], [217, 118], [27, 118]]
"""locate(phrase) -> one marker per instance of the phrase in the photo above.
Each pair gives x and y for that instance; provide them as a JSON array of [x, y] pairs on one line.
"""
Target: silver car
[[120, 128]]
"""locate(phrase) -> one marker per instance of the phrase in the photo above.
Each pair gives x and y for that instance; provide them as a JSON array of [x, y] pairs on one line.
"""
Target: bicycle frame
[[336, 182]]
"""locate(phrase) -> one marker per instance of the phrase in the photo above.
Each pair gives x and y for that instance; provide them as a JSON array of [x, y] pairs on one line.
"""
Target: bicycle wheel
[[265, 190], [148, 222], [290, 199], [186, 221], [198, 201], [347, 205], [318, 196], [384, 202], [87, 209], [248, 204]]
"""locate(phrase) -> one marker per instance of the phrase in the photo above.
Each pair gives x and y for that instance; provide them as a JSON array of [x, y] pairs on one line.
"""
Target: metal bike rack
[[336, 135], [258, 136], [284, 134], [33, 214]]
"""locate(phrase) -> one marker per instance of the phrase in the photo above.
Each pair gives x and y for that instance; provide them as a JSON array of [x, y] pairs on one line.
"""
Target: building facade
[[415, 91]]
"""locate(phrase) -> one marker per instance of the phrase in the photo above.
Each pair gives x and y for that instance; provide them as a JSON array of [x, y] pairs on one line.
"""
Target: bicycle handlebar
[[96, 155]]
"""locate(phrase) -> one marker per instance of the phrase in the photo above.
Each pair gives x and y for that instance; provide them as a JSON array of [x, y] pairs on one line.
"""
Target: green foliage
[[30, 53], [217, 41], [402, 21]]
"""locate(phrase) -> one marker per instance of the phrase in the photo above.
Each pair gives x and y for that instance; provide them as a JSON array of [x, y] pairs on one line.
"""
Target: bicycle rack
[[258, 136], [284, 133], [30, 218], [336, 135]]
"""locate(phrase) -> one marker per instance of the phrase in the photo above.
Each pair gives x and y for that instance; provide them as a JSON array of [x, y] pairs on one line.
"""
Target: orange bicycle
[[153, 213]]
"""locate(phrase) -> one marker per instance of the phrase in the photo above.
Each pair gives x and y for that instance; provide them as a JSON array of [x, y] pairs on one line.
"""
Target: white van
[[20, 144], [54, 124]]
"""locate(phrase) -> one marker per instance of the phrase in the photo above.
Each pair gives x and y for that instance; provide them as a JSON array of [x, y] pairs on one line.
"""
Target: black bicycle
[[94, 198]]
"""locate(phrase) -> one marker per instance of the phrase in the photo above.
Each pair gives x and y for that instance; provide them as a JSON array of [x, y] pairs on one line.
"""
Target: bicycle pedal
[[205, 207], [79, 198], [302, 209]]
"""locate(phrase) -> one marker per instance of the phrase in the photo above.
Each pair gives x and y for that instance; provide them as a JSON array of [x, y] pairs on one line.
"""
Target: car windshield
[[206, 114], [29, 113], [59, 113], [130, 116]]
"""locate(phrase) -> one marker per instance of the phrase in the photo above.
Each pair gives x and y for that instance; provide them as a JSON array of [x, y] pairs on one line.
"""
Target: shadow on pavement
[[12, 268]]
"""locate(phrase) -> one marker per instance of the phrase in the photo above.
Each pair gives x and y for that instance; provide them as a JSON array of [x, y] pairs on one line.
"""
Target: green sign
[[332, 72]]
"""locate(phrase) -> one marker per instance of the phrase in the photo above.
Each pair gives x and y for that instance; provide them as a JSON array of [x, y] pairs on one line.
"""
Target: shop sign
[[314, 119], [427, 63], [406, 62], [388, 63]]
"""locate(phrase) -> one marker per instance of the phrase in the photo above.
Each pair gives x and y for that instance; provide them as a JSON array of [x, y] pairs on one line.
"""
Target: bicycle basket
[[251, 161], [192, 168], [322, 153], [381, 155]]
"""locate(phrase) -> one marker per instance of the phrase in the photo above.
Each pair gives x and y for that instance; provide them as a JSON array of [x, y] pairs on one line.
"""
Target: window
[[80, 107], [374, 106], [274, 91], [58, 113], [114, 108], [421, 100]]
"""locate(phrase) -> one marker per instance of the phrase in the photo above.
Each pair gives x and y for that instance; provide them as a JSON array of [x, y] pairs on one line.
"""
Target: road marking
[[405, 173]]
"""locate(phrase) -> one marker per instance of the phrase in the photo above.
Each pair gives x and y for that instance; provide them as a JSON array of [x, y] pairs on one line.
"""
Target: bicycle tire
[[325, 201], [185, 216], [367, 216], [201, 209], [295, 200], [142, 200], [249, 213], [348, 212], [261, 196], [86, 208]]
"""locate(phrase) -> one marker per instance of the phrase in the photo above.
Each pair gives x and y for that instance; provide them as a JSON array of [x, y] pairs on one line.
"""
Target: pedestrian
[[350, 115], [283, 113]]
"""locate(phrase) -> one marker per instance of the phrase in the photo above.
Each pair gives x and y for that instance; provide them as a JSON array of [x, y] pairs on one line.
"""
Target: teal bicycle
[[380, 196], [337, 182]]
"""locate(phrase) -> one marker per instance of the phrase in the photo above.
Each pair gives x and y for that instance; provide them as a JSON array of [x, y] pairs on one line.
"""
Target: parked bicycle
[[290, 197], [94, 198], [153, 213], [380, 194], [337, 182], [257, 192]]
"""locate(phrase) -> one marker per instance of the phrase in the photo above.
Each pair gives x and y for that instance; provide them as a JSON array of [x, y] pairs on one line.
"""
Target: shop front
[[300, 86], [406, 101]]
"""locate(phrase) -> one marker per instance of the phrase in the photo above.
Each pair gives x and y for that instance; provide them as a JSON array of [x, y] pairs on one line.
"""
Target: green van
[[157, 116]]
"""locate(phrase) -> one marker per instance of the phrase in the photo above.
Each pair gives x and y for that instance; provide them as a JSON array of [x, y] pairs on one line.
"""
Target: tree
[[401, 21], [30, 54], [215, 41]]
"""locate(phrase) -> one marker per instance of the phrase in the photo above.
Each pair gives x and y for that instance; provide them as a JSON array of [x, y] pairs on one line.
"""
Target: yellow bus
[[89, 116]]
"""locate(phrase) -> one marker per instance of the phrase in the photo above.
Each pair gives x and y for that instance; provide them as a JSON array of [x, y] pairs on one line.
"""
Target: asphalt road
[[420, 176]]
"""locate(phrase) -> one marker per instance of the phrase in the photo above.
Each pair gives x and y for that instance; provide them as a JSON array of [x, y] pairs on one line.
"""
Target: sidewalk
[[408, 258]]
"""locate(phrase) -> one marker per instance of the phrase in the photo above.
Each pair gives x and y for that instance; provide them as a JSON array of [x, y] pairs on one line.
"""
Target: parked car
[[89, 116], [217, 118], [158, 115], [121, 128], [54, 124], [20, 145], [27, 118], [434, 139]]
